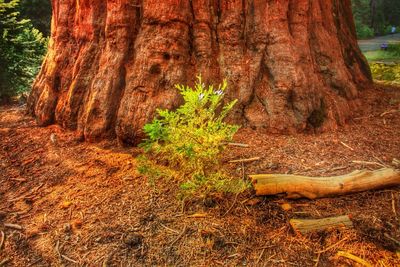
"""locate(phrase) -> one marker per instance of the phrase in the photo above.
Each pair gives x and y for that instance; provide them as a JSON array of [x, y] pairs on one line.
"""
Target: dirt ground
[[82, 204], [375, 43]]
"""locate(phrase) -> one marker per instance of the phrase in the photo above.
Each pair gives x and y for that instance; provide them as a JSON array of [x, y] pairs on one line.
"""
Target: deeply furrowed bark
[[291, 64]]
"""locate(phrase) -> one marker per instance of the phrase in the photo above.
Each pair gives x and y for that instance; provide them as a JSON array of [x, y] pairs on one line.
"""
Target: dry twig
[[354, 258], [394, 205], [233, 204], [368, 163], [198, 215], [244, 160], [389, 112], [169, 229], [13, 226], [237, 144], [179, 236], [259, 258], [57, 248], [346, 145], [3, 237], [69, 259], [332, 246], [3, 262]]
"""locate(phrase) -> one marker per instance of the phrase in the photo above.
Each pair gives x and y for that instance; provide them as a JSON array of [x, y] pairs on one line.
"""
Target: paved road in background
[[375, 43]]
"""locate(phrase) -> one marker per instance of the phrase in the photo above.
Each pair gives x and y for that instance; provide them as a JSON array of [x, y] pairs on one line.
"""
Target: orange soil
[[84, 204]]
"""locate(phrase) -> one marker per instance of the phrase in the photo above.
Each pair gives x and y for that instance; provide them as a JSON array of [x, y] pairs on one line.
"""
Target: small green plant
[[363, 31], [191, 138]]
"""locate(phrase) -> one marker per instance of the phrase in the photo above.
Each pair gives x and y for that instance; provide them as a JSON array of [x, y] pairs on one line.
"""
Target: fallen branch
[[296, 186], [353, 257], [244, 160], [305, 226]]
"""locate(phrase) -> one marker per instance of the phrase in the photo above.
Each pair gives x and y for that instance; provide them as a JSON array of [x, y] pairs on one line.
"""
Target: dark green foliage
[[39, 12], [21, 50], [375, 17]]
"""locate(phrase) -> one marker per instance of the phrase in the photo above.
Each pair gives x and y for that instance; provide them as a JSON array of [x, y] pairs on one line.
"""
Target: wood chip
[[286, 206], [253, 201], [65, 204], [13, 226]]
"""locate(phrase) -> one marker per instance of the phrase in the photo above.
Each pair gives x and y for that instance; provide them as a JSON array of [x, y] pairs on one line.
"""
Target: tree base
[[292, 65]]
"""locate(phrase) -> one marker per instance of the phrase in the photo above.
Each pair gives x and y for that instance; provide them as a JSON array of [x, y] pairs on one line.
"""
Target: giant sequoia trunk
[[291, 64]]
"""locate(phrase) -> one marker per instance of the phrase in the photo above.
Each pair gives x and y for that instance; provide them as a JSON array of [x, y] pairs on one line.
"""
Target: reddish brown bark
[[291, 64]]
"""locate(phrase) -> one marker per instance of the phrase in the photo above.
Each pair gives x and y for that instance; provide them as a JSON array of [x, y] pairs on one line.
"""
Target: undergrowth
[[389, 73], [186, 144], [391, 54]]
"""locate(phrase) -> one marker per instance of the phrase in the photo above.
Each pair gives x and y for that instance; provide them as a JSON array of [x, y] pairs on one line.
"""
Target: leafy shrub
[[394, 50], [22, 48], [386, 72], [363, 31], [190, 139]]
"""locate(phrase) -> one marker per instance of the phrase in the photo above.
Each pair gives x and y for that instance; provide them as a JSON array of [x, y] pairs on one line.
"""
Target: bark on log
[[296, 186], [291, 64], [305, 226]]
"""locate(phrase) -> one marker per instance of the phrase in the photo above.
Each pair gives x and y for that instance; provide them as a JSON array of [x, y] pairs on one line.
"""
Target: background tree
[[21, 50], [39, 12], [292, 65], [375, 17]]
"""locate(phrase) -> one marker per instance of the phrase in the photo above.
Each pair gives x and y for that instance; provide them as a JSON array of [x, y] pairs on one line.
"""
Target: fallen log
[[305, 226], [297, 186]]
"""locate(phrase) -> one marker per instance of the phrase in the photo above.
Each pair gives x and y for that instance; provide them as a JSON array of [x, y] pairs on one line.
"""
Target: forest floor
[[81, 204]]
